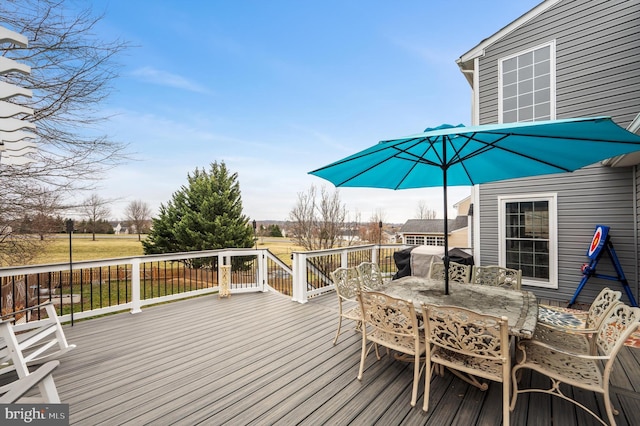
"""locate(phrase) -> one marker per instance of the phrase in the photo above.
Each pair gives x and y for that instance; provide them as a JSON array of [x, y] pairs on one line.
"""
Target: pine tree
[[275, 231], [205, 214]]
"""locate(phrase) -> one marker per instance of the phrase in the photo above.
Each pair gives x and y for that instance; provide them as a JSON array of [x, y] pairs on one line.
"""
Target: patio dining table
[[519, 306]]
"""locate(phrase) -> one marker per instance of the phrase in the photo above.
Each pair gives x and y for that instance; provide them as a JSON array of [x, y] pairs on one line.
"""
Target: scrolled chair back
[[370, 276], [346, 282], [497, 276], [457, 272]]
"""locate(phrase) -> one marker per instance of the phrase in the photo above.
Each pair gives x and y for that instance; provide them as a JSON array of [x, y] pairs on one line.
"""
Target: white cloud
[[164, 78]]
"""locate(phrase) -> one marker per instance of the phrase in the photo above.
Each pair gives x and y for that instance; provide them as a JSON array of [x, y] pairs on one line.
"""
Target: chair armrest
[[523, 343], [569, 330], [15, 390]]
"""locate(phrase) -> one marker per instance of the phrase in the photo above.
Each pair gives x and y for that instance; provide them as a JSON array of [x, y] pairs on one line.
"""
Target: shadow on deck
[[262, 359]]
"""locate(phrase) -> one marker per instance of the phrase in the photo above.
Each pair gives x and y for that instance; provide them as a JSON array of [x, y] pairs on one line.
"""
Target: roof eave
[[465, 62]]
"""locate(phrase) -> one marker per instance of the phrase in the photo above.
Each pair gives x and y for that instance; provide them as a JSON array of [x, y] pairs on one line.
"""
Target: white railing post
[[299, 290], [344, 258], [136, 302], [262, 270]]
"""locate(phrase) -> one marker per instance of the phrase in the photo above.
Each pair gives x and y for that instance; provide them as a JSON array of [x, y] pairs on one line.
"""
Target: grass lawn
[[110, 246], [281, 247], [84, 248]]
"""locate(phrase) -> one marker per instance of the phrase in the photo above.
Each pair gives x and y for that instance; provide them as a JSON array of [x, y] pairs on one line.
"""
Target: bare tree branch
[[95, 209], [424, 212], [138, 214], [72, 71], [318, 224]]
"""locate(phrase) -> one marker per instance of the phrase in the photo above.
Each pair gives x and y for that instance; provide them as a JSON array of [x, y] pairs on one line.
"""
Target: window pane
[[542, 68], [542, 96], [527, 271], [542, 111], [525, 59], [525, 100], [525, 73], [512, 207], [542, 272], [510, 104], [525, 86], [526, 114], [542, 259], [544, 53], [510, 65], [542, 81], [509, 77], [510, 117], [527, 258], [542, 209], [510, 91]]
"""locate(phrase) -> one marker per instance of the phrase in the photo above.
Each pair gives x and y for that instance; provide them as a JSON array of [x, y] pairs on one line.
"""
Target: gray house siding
[[636, 210], [586, 198], [597, 73], [597, 66]]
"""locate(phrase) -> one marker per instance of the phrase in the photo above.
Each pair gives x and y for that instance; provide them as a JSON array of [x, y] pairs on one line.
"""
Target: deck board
[[261, 359]]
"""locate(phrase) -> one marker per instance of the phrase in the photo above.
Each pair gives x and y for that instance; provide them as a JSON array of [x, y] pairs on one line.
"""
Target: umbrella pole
[[446, 221], [446, 240]]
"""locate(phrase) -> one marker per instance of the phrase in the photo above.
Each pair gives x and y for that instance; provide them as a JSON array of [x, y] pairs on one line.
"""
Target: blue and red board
[[601, 243], [598, 241]]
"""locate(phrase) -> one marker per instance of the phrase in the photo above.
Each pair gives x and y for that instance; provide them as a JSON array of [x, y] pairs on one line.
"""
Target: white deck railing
[[97, 287]]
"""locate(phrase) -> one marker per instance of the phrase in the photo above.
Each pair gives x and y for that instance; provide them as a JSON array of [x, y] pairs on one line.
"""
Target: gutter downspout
[[635, 227], [475, 191], [634, 127]]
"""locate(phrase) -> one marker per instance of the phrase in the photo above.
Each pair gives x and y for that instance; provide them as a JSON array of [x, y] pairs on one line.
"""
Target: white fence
[[90, 288]]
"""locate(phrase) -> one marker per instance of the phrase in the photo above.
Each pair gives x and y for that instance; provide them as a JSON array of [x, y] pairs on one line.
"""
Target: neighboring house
[[430, 232], [562, 59], [119, 229]]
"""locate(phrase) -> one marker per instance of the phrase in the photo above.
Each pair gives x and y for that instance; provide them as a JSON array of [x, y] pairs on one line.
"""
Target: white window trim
[[552, 198], [552, 65]]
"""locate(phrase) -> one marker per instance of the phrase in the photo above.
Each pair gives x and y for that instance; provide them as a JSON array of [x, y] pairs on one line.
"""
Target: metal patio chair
[[580, 370], [347, 284], [497, 276], [392, 323], [470, 345]]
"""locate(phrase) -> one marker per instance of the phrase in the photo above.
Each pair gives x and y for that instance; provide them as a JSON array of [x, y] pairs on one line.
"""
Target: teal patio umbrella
[[469, 155]]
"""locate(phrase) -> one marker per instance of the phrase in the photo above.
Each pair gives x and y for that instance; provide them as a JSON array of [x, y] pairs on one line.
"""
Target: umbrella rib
[[373, 166], [460, 159], [494, 145], [419, 159], [349, 159]]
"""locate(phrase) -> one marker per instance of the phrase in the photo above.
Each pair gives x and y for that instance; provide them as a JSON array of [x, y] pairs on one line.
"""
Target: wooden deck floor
[[261, 359]]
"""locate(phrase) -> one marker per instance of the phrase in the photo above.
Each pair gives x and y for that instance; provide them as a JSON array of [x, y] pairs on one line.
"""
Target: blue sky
[[276, 89]]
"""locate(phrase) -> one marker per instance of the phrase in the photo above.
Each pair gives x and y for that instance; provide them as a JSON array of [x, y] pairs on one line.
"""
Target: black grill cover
[[460, 256], [403, 260], [403, 263]]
